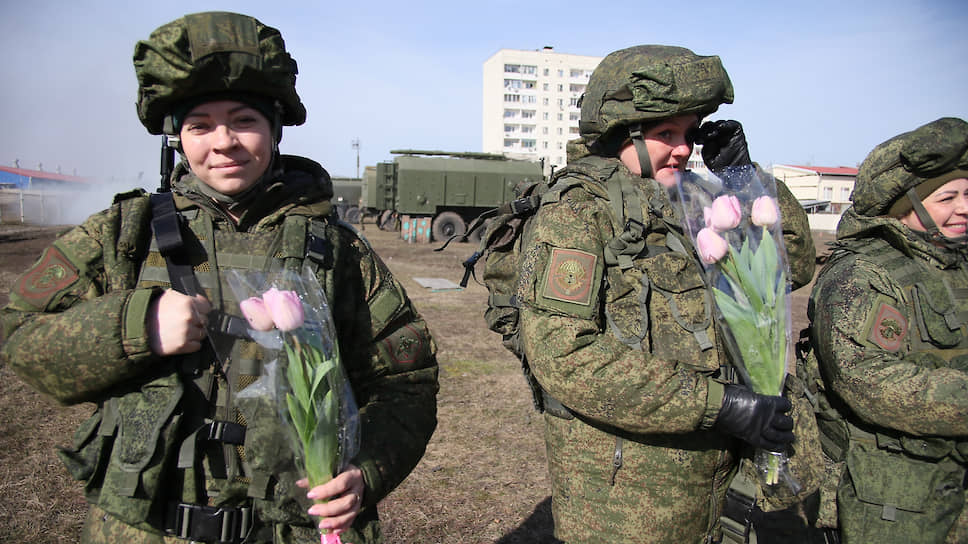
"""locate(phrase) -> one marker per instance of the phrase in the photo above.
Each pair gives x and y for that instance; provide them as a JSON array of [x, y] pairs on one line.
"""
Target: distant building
[[530, 103], [39, 180], [820, 189]]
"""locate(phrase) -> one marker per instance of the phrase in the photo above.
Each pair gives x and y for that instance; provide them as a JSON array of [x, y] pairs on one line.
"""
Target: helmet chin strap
[[645, 163], [931, 228]]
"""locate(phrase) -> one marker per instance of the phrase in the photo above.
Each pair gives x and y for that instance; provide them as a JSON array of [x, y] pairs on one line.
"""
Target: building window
[[512, 98], [561, 73], [561, 88], [544, 87], [509, 114], [828, 193], [544, 145], [559, 145], [572, 130], [526, 69], [845, 193], [546, 72], [527, 129], [544, 130], [573, 102], [544, 101], [529, 144], [509, 142], [529, 84], [560, 131], [512, 83], [561, 117], [530, 99], [544, 114], [574, 116], [512, 68], [510, 128], [577, 72], [527, 114], [576, 88]]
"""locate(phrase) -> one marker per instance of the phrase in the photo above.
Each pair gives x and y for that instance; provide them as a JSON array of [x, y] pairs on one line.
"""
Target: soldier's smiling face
[[948, 208], [228, 144]]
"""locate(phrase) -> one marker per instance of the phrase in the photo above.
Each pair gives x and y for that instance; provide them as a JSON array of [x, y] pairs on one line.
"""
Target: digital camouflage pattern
[[888, 322], [85, 303], [649, 83], [634, 354], [213, 53], [925, 159]]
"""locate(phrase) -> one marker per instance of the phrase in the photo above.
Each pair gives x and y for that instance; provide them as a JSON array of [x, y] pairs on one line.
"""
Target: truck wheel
[[385, 221], [352, 215], [448, 224]]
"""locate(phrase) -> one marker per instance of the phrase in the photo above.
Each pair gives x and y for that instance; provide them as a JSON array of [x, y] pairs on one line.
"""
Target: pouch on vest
[[890, 497], [135, 484]]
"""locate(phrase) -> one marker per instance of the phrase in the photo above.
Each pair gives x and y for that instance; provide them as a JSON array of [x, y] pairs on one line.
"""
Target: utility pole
[[356, 146]]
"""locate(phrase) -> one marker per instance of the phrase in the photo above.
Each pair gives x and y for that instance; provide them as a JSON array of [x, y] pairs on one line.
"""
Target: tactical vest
[[178, 445], [900, 487]]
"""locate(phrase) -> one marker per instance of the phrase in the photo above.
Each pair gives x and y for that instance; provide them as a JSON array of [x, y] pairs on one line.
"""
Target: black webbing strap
[[200, 523], [167, 230]]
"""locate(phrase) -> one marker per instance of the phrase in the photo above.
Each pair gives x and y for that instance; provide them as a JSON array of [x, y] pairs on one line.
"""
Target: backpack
[[508, 230]]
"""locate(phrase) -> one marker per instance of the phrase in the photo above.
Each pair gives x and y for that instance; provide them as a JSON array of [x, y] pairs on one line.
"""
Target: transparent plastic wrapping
[[289, 316], [734, 223]]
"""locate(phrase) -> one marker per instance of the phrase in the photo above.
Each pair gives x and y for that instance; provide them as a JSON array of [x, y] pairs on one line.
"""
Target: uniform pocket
[[890, 497]]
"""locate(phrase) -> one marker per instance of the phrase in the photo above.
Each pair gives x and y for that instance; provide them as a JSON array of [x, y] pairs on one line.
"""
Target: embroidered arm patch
[[49, 276], [888, 328], [570, 276]]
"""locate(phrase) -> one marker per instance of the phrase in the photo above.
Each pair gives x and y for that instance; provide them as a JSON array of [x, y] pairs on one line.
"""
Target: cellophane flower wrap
[[734, 222], [289, 316]]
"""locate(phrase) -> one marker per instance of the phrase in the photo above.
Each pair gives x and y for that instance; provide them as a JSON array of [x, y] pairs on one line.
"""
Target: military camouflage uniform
[[632, 457], [888, 321], [75, 329]]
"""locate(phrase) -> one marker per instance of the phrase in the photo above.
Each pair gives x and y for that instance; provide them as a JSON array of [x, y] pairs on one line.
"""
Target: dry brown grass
[[482, 480]]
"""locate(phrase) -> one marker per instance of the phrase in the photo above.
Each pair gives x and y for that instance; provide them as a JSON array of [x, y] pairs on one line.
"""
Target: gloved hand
[[757, 419], [723, 145]]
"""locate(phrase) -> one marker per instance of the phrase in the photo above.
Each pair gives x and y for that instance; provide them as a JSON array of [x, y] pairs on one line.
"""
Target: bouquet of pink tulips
[[735, 223], [312, 393]]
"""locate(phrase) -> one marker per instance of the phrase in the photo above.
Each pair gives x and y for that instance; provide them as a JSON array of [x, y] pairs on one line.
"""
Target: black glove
[[757, 419], [723, 145]]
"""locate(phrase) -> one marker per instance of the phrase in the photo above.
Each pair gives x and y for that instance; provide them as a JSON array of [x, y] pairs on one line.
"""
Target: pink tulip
[[285, 308], [725, 213], [711, 246], [256, 314], [764, 212]]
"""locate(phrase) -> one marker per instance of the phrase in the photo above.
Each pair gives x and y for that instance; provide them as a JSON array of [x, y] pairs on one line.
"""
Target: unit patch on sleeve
[[405, 346], [570, 276], [53, 273], [889, 327]]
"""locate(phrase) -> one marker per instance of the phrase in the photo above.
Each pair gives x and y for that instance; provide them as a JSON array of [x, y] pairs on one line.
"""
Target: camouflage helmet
[[214, 53], [648, 83], [923, 159]]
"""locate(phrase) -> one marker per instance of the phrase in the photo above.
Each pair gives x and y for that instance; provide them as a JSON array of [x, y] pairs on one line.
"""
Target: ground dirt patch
[[482, 480]]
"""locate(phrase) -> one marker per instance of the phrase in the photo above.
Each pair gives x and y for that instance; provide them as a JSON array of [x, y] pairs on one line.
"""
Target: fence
[[35, 207]]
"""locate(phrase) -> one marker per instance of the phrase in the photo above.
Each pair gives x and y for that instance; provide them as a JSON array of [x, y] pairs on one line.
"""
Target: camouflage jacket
[[75, 325], [890, 332], [894, 350], [635, 355]]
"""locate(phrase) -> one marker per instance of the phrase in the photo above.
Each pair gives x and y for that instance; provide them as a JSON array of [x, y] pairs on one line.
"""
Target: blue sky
[[819, 82]]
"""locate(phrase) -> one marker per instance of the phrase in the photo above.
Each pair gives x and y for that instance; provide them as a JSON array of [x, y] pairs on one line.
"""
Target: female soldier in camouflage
[[171, 453], [641, 417], [889, 322]]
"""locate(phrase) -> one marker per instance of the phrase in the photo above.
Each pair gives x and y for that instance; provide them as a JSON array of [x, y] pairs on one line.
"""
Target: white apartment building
[[530, 108]]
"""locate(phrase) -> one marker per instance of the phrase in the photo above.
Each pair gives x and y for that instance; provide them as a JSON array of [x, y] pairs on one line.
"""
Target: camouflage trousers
[[643, 489], [103, 528]]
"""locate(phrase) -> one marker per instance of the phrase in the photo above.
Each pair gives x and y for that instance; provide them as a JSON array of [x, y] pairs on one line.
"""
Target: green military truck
[[451, 188], [346, 198]]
